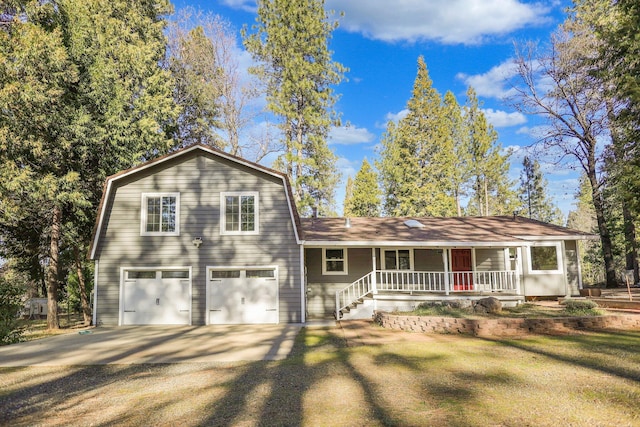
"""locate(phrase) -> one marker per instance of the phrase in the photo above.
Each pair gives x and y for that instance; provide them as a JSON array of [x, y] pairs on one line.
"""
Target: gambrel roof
[[196, 148]]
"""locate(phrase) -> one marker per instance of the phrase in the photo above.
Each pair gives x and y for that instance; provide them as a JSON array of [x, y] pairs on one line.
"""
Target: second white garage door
[[242, 295]]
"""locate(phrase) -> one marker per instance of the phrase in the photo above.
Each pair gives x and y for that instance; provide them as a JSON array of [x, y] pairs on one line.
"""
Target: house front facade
[[358, 265], [198, 237], [201, 237]]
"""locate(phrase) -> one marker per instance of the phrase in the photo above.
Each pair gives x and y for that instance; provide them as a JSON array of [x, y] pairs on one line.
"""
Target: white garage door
[[242, 296], [156, 297]]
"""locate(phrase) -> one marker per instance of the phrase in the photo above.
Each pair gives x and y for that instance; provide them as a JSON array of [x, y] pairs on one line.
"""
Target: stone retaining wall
[[505, 327]]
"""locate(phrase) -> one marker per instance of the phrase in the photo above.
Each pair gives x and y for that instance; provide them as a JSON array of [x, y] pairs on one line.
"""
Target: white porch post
[[374, 280], [519, 269], [445, 261]]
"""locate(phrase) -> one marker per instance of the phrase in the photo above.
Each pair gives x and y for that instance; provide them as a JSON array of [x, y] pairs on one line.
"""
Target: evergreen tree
[[81, 97], [363, 195], [290, 43], [418, 159], [194, 67], [536, 204], [461, 167], [348, 195], [492, 192]]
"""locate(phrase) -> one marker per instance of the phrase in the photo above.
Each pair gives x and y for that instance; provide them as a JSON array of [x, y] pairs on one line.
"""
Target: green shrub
[[11, 294], [578, 307], [449, 309]]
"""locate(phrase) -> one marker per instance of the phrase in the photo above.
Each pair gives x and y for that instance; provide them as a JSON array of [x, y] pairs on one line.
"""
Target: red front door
[[460, 265]]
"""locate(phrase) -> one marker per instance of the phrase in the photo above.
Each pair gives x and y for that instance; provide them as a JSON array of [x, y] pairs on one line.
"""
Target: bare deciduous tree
[[233, 95], [559, 85]]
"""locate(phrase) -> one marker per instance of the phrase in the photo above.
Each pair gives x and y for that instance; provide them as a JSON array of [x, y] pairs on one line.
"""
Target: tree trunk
[[486, 197], [631, 247], [84, 298], [603, 229], [53, 322]]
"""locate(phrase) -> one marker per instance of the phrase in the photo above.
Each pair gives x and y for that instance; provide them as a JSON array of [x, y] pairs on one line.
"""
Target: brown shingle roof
[[436, 231]]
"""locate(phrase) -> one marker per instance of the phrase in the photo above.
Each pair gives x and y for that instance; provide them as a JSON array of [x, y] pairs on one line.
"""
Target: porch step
[[362, 310]]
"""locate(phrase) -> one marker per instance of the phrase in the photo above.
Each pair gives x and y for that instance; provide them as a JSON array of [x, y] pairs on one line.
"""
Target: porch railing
[[354, 292], [427, 281], [440, 281]]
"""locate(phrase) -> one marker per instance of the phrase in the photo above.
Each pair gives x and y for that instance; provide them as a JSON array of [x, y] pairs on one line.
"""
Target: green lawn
[[590, 379]]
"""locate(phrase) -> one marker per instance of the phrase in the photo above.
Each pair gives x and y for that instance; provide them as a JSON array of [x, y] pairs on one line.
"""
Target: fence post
[[337, 305]]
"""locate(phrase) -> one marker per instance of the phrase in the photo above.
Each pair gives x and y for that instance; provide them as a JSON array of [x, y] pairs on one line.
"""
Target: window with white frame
[[160, 214], [398, 259], [334, 261], [545, 258], [239, 213]]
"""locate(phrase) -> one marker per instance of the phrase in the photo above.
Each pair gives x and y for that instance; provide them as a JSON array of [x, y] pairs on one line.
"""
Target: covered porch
[[421, 286]]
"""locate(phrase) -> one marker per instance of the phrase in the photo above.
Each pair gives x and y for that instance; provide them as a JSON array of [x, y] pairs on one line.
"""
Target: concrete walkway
[[155, 344]]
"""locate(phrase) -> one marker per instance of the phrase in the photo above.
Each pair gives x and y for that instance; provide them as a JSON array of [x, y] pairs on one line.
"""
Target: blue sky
[[464, 42]]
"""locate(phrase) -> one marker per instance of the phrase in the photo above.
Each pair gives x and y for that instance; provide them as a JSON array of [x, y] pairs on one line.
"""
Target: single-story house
[[397, 263], [200, 237]]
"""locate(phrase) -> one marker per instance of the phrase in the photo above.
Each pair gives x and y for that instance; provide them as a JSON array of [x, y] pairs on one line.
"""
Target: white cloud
[[396, 117], [450, 22], [494, 83], [350, 135], [501, 119], [246, 5]]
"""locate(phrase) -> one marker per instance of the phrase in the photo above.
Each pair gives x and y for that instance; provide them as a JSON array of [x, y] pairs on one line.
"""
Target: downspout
[[303, 287], [563, 257], [579, 265], [96, 264]]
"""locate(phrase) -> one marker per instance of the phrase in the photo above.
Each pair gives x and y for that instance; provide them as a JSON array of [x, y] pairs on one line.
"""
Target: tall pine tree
[[417, 157], [536, 204], [492, 192], [290, 43], [81, 97], [363, 195]]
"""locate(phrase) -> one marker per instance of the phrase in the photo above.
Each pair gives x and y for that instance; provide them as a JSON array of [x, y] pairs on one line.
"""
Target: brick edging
[[504, 327]]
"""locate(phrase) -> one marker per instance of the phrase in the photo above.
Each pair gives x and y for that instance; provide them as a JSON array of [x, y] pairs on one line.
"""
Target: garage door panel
[[249, 296], [158, 301]]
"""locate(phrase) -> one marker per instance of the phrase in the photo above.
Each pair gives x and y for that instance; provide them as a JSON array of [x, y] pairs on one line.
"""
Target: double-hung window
[[334, 261], [239, 213], [160, 214]]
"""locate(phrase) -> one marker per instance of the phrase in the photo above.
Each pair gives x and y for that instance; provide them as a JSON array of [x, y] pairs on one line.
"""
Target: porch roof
[[451, 231]]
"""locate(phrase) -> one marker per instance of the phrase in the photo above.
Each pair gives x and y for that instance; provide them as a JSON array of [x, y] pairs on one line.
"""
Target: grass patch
[[589, 379], [37, 328]]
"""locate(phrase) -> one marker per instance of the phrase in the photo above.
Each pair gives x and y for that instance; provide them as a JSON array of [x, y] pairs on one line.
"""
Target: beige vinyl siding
[[490, 259], [199, 178], [321, 289], [428, 260], [571, 258]]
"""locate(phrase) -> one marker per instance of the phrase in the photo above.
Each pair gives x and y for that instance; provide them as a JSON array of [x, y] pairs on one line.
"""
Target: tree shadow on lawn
[[289, 380], [612, 352]]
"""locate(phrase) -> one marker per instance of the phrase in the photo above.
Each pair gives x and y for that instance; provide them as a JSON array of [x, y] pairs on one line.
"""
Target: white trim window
[[397, 259], [545, 258], [160, 214], [239, 213], [334, 261]]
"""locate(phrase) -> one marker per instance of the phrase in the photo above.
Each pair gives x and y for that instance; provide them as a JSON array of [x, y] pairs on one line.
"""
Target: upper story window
[[160, 214], [239, 213], [545, 258], [334, 261]]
